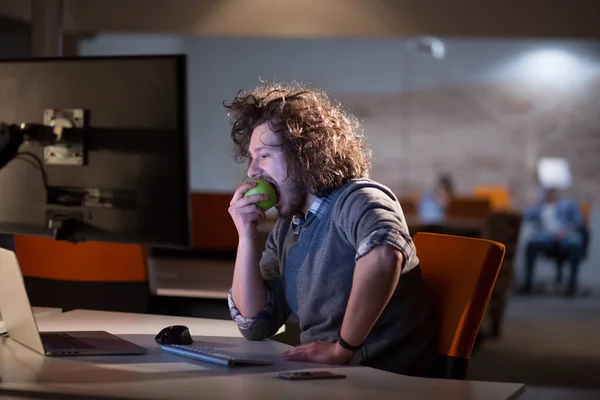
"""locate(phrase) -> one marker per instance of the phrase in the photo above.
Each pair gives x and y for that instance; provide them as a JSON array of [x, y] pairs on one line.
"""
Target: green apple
[[264, 187]]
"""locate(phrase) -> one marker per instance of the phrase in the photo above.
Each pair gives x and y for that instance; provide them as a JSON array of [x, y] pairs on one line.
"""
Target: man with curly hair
[[339, 258]]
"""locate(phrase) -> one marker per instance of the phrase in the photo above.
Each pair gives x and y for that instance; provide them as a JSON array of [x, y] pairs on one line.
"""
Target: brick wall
[[482, 134]]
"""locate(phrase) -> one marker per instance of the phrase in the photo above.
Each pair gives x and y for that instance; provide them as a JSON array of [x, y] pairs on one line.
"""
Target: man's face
[[267, 161]]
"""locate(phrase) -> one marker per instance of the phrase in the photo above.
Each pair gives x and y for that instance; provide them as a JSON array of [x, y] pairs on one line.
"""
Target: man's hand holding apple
[[248, 205]]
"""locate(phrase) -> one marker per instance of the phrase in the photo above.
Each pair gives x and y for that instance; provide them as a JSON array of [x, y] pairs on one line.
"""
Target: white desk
[[210, 279], [38, 312], [159, 375]]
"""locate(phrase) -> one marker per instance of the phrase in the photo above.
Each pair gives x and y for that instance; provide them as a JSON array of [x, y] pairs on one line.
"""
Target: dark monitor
[[100, 149]]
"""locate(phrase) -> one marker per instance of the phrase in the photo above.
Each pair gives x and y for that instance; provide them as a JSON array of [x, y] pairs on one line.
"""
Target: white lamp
[[428, 45]]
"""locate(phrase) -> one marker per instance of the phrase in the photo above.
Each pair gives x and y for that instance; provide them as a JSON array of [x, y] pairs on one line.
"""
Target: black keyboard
[[62, 341], [212, 356]]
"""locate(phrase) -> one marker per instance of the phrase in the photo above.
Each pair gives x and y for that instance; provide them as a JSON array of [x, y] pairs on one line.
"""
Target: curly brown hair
[[323, 144]]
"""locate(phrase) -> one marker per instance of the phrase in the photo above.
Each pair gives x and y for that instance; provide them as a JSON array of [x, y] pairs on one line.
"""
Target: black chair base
[[451, 367]]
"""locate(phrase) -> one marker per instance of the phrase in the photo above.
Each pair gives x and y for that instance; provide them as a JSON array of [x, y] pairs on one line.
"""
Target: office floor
[[550, 343]]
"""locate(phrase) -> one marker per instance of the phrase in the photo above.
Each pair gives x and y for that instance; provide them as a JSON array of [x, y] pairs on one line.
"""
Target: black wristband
[[347, 345]]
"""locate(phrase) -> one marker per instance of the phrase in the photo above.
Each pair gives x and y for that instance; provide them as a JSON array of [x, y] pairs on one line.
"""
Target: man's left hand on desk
[[318, 352]]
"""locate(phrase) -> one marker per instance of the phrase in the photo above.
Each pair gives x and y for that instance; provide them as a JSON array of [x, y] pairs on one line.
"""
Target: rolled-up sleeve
[[371, 216], [268, 321], [247, 322], [391, 237]]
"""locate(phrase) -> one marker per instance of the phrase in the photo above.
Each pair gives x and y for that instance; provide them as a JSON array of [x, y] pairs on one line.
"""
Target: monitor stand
[[65, 227]]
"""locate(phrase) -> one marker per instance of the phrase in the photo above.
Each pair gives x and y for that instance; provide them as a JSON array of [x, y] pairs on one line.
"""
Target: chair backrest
[[408, 204], [469, 207], [44, 257], [585, 212], [212, 227], [460, 274], [499, 196], [90, 275]]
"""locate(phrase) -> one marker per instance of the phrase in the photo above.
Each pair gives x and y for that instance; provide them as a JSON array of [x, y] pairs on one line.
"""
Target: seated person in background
[[432, 207], [557, 224], [340, 258]]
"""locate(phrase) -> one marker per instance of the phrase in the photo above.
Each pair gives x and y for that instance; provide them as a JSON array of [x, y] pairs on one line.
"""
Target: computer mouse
[[174, 334]]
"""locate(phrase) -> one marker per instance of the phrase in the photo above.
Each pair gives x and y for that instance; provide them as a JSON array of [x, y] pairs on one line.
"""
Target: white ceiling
[[329, 18]]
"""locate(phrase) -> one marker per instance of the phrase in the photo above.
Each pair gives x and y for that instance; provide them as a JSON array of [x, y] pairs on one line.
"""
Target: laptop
[[21, 326]]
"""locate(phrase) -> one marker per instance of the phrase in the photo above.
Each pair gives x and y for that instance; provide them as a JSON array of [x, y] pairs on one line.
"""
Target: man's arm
[[257, 310], [248, 290], [261, 317], [532, 214], [576, 221], [375, 279]]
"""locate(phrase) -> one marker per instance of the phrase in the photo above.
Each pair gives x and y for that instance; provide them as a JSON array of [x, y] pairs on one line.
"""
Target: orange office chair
[[459, 273], [409, 205], [499, 196], [91, 275], [586, 212], [212, 210], [469, 207]]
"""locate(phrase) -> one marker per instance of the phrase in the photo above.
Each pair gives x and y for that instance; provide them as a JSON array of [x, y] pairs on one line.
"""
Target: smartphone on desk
[[310, 375]]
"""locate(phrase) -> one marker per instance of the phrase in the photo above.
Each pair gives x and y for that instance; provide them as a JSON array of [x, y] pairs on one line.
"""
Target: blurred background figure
[[558, 231], [432, 207]]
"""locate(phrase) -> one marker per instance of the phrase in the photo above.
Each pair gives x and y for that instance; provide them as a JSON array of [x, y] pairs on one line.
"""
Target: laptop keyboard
[[62, 341]]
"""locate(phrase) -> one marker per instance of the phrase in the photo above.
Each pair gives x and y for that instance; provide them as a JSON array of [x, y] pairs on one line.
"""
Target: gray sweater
[[310, 274]]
